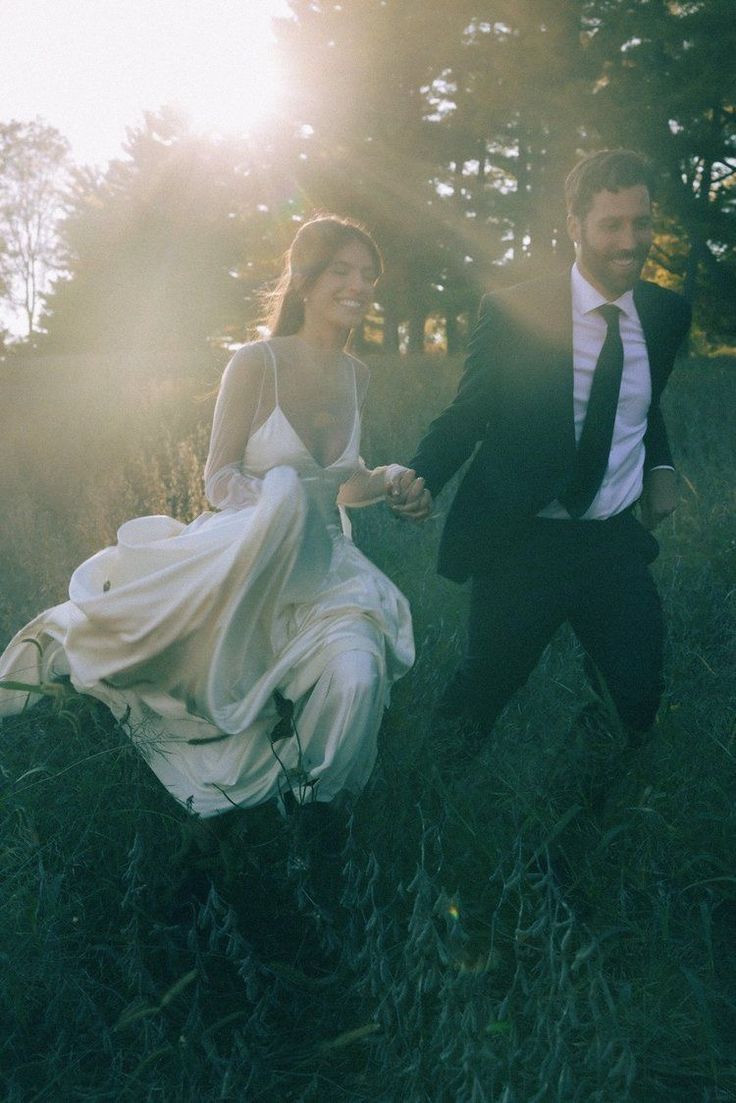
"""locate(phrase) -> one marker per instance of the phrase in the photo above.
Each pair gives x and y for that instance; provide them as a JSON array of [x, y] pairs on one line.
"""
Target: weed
[[499, 937]]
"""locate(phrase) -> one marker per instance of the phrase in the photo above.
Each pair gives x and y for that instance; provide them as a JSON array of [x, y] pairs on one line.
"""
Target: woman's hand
[[408, 497]]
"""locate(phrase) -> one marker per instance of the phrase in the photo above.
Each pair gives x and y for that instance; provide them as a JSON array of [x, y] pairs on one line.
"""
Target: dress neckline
[[289, 424], [307, 451]]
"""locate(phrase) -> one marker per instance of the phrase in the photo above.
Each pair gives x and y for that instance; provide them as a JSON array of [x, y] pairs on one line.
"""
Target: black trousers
[[593, 574]]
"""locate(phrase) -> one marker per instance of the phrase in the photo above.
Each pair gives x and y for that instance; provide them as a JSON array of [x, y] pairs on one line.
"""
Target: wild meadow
[[557, 923]]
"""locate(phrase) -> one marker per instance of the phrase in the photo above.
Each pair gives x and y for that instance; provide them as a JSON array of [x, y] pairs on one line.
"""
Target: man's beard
[[616, 272]]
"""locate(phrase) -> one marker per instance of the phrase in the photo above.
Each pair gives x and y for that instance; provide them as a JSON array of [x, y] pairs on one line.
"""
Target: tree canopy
[[448, 128]]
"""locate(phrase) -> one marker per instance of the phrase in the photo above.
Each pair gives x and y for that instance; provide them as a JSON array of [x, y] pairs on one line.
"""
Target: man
[[561, 401]]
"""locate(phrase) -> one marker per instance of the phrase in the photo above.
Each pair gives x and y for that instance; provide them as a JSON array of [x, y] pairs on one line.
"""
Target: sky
[[92, 67]]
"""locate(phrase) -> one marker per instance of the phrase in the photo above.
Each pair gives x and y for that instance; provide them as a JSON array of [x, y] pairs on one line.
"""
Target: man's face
[[613, 239]]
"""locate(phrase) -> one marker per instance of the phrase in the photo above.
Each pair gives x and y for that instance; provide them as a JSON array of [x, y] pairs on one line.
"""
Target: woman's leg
[[338, 721]]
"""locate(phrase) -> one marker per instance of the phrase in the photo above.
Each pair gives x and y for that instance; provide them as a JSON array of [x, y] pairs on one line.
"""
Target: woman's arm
[[395, 484], [368, 485], [225, 482]]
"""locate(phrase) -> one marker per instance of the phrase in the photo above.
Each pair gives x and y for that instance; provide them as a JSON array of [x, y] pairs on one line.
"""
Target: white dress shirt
[[623, 478]]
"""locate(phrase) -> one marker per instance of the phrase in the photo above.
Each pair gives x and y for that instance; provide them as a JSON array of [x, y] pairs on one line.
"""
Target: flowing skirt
[[198, 636]]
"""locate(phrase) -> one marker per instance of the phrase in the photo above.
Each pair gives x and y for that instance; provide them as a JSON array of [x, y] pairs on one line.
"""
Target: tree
[[450, 128], [668, 87], [153, 246], [512, 82], [448, 131], [361, 72], [34, 169]]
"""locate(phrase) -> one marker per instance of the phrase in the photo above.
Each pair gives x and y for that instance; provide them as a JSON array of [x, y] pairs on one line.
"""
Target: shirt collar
[[586, 298]]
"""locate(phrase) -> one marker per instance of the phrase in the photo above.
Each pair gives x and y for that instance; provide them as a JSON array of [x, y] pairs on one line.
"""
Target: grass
[[502, 936]]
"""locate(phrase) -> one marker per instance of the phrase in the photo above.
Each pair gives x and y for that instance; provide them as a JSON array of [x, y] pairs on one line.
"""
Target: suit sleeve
[[452, 437], [657, 451]]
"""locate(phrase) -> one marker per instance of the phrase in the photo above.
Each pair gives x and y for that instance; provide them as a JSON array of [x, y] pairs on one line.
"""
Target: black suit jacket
[[514, 408]]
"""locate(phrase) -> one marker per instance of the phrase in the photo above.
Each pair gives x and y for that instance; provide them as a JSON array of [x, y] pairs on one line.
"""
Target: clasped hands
[[408, 497]]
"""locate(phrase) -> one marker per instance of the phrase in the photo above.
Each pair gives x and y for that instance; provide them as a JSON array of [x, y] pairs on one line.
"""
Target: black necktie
[[594, 446]]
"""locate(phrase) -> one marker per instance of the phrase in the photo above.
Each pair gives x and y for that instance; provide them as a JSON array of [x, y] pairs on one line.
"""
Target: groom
[[559, 409]]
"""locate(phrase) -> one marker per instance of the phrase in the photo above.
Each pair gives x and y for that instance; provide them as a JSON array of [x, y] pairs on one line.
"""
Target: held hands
[[659, 496], [407, 496]]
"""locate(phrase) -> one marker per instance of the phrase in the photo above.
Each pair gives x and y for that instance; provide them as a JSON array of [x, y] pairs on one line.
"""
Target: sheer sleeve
[[226, 483]]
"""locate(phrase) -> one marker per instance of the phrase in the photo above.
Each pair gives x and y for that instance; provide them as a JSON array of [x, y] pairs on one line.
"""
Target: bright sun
[[97, 66], [216, 60], [232, 81], [236, 96]]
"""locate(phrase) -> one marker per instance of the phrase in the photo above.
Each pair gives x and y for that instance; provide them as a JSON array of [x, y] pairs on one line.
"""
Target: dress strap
[[356, 404]]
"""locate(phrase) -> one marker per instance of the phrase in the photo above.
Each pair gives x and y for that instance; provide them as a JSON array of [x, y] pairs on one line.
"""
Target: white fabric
[[266, 376], [623, 480], [185, 631]]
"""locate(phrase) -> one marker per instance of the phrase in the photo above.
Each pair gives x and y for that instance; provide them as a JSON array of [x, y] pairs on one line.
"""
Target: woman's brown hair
[[311, 252]]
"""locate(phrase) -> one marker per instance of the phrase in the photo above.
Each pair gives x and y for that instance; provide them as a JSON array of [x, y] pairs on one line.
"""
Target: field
[[557, 925]]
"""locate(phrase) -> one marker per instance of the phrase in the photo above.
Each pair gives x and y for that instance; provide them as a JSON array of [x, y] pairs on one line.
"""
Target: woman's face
[[341, 295]]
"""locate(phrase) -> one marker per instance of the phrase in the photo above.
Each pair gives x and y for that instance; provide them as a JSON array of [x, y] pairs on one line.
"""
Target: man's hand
[[408, 497], [659, 496]]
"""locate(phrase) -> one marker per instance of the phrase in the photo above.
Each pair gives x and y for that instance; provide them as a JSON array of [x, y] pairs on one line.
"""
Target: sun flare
[[237, 97], [97, 67], [216, 61]]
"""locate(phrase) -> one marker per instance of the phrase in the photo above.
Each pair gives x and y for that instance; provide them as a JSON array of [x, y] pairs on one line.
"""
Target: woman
[[250, 653]]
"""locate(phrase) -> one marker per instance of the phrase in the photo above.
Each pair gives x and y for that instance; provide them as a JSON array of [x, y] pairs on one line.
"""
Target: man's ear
[[574, 228]]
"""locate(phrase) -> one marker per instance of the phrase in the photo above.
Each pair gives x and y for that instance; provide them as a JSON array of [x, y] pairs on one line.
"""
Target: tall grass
[[557, 925]]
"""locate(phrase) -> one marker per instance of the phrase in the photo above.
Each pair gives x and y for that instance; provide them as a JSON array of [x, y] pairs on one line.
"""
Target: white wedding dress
[[186, 631]]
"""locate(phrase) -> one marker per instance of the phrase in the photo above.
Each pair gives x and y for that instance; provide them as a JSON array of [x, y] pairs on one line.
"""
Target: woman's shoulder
[[253, 354], [252, 350], [246, 365]]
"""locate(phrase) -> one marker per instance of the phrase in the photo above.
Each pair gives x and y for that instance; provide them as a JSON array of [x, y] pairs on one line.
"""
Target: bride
[[250, 653]]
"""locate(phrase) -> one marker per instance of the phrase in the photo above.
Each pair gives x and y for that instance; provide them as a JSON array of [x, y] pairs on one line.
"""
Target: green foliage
[[448, 131], [455, 129], [151, 246], [669, 90], [557, 925]]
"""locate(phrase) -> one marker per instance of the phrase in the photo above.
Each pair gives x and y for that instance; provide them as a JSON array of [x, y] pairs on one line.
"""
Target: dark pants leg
[[618, 619], [515, 609], [593, 574]]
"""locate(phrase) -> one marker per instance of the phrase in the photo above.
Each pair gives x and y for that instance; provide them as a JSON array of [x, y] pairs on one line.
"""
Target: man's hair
[[607, 170]]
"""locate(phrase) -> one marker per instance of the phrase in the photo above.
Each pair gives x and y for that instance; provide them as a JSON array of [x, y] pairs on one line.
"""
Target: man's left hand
[[659, 496]]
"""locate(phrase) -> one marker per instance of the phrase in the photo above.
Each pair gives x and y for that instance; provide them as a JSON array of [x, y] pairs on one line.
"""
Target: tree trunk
[[698, 247], [694, 255], [416, 330], [390, 343], [359, 342], [452, 334]]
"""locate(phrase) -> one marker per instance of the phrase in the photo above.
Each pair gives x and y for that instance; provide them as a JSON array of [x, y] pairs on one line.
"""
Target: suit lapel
[[553, 308], [652, 324]]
